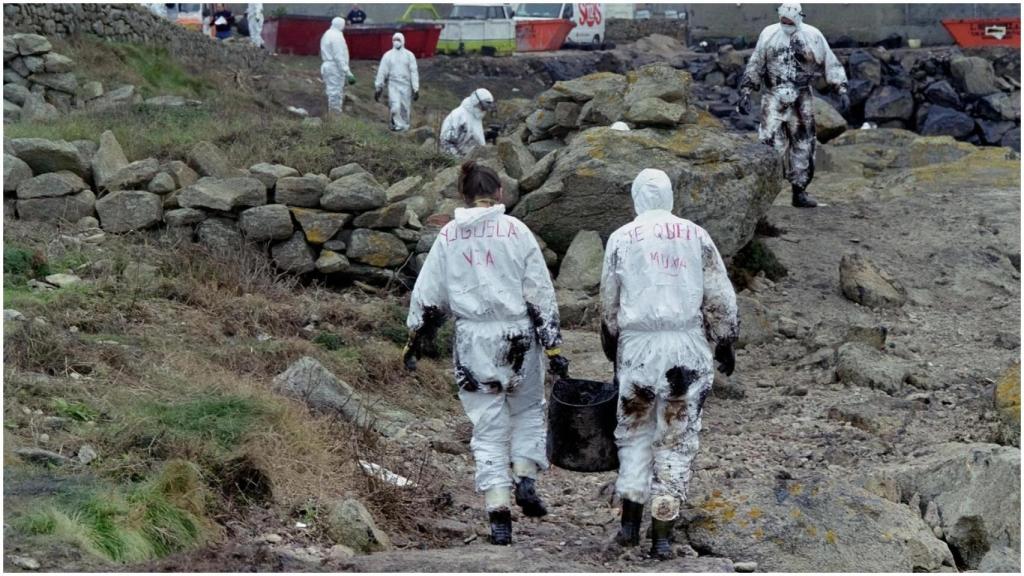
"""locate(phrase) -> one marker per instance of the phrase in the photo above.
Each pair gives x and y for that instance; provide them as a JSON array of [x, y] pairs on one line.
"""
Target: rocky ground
[[872, 423]]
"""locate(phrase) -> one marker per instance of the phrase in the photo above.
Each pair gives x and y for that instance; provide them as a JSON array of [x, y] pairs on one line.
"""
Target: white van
[[588, 17]]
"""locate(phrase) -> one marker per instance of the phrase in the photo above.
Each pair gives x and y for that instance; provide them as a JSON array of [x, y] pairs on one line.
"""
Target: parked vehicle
[[980, 32], [587, 17], [478, 28], [300, 35]]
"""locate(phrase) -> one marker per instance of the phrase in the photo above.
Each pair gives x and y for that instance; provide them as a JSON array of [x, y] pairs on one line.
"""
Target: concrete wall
[[862, 22]]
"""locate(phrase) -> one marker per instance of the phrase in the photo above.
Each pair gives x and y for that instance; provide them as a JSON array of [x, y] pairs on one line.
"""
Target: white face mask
[[396, 44], [792, 12]]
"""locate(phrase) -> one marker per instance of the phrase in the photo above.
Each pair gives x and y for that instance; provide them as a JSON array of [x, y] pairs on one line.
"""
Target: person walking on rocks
[[787, 57], [666, 303], [334, 69], [463, 128], [485, 270], [398, 70]]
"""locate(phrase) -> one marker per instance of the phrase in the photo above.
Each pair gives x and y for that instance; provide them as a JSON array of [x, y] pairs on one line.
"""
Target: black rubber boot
[[661, 539], [801, 199], [528, 499], [501, 527], [632, 515]]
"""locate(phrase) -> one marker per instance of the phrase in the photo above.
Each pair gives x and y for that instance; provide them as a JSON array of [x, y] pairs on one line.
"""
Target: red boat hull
[[300, 35], [980, 32]]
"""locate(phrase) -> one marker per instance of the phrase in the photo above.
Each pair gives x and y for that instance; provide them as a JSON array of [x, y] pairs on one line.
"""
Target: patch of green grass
[[161, 73], [142, 522], [329, 341], [75, 410], [22, 264], [221, 420]]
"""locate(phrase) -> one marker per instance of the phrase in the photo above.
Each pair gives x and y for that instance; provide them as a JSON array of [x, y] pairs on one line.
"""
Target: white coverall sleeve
[[719, 304], [414, 73], [383, 70], [610, 289], [430, 294], [341, 56], [539, 293], [835, 75], [753, 75]]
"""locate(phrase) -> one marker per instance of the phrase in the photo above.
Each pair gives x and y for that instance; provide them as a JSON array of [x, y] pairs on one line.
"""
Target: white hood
[[466, 216], [471, 103], [652, 190], [793, 11], [338, 24]]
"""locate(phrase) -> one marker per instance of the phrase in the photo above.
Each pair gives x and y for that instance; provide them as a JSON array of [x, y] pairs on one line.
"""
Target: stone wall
[[620, 30], [128, 23]]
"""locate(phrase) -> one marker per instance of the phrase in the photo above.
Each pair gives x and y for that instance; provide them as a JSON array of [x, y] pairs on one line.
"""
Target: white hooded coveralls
[[785, 61], [487, 272], [254, 13], [666, 295], [399, 71], [463, 128], [335, 69]]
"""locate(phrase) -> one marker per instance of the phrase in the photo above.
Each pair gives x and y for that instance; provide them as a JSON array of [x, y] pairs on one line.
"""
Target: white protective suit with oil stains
[[486, 271], [398, 70], [666, 296], [254, 15], [334, 69], [785, 61], [463, 128]]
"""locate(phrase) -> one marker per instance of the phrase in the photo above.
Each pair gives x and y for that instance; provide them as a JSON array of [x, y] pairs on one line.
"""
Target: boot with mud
[[528, 499], [632, 515], [801, 199], [501, 527], [661, 539]]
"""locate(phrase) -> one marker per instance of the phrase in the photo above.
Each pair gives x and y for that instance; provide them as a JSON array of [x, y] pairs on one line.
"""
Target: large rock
[[403, 189], [356, 192], [294, 255], [974, 75], [828, 122], [308, 380], [992, 132], [220, 236], [320, 226], [604, 109], [581, 267], [49, 155], [120, 96], [269, 174], [515, 157], [378, 249], [209, 160], [57, 63], [51, 185], [712, 172], [811, 524], [864, 66], [583, 89], [655, 112], [755, 325], [540, 171], [942, 121], [330, 262], [264, 223], [29, 44], [302, 191], [889, 103], [36, 109], [860, 365], [659, 81], [15, 172], [183, 175], [976, 490], [65, 82], [393, 216], [346, 170], [183, 217], [108, 160], [134, 176], [864, 283], [224, 194], [998, 106], [943, 94], [347, 522], [127, 210], [70, 208], [16, 93]]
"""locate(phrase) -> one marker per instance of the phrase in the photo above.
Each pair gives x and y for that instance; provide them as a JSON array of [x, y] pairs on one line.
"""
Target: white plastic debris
[[385, 474]]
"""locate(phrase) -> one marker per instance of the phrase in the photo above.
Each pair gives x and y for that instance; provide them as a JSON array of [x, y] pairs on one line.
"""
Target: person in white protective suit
[[398, 70], [666, 304], [334, 69], [486, 271], [463, 128], [254, 14], [787, 57]]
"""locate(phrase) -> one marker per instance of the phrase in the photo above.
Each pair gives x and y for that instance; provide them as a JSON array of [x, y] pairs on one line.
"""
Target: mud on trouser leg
[[802, 142], [676, 443], [529, 422], [634, 436]]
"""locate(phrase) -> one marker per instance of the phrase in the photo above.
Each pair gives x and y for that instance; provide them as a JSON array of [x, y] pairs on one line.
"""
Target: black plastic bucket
[[581, 425]]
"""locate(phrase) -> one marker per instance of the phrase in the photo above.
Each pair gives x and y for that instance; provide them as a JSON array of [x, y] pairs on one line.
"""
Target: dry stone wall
[[128, 23]]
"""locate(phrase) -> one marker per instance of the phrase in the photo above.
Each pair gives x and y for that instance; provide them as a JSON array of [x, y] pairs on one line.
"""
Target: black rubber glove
[[844, 102], [744, 104], [416, 95], [725, 355], [557, 364], [609, 343], [377, 93], [491, 135]]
